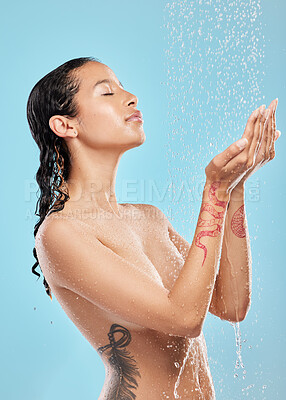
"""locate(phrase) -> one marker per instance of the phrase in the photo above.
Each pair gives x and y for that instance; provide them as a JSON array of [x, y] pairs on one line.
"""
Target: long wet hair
[[52, 95]]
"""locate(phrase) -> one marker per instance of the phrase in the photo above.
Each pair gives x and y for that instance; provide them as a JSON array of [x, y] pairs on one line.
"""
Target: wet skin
[[139, 362]]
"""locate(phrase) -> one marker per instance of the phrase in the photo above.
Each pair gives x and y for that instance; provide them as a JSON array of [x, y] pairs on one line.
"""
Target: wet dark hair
[[52, 95]]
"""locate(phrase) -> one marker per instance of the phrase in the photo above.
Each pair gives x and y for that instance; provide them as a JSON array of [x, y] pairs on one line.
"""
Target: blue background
[[197, 75]]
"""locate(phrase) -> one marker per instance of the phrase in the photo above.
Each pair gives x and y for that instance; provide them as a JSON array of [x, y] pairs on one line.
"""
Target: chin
[[141, 138], [138, 137], [136, 142]]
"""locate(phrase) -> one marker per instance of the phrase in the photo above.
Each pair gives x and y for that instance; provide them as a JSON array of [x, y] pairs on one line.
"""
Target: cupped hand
[[263, 150]]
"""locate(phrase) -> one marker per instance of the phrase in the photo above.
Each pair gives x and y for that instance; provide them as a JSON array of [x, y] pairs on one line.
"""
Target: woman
[[132, 285]]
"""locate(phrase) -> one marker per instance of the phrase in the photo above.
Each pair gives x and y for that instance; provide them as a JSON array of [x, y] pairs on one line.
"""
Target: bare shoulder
[[54, 230], [50, 225]]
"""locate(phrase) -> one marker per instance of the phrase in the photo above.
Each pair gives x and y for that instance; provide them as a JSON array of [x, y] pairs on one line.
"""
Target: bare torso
[[140, 363]]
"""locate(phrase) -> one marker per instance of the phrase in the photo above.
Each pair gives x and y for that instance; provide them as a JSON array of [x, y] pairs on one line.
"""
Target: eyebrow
[[105, 81]]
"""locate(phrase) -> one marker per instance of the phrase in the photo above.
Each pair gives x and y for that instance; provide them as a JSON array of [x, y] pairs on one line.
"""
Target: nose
[[131, 99]]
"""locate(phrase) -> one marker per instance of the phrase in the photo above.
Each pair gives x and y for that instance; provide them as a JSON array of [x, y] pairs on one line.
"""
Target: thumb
[[277, 134], [232, 151], [241, 143]]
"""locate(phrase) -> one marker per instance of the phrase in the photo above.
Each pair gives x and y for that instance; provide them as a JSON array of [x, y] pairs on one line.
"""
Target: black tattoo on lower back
[[123, 363]]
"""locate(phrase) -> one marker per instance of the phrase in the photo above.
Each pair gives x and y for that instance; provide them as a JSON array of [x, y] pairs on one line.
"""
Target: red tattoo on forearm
[[217, 220], [237, 223]]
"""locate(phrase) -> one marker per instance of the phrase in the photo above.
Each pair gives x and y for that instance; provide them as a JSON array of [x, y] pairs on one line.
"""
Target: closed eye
[[107, 94]]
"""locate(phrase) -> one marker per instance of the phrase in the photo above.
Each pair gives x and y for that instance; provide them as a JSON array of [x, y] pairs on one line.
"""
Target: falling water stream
[[213, 56], [181, 370]]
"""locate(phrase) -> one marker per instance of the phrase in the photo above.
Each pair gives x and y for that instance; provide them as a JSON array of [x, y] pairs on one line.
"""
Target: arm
[[194, 286], [232, 292], [218, 304], [100, 275]]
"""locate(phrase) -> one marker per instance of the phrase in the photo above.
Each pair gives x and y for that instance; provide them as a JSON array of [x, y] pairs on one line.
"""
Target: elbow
[[243, 313], [238, 315], [184, 328], [183, 325], [234, 316], [192, 329]]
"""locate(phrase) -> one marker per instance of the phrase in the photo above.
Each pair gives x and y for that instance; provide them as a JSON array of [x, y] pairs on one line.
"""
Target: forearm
[[233, 283], [192, 291]]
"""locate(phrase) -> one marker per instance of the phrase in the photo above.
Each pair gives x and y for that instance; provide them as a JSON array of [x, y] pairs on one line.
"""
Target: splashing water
[[239, 362], [182, 369], [213, 58]]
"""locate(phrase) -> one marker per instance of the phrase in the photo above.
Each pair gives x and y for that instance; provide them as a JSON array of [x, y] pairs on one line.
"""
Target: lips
[[136, 116]]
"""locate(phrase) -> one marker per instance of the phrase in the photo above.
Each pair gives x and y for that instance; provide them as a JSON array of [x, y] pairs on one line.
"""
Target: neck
[[91, 182]]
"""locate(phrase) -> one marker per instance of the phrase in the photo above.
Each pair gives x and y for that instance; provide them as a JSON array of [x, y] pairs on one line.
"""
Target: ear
[[62, 126]]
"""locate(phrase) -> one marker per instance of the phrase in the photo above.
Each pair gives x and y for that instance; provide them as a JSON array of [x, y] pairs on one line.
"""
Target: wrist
[[221, 191], [238, 191], [239, 188]]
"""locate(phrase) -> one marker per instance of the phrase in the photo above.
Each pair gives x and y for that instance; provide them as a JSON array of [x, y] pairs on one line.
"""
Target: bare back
[[139, 361]]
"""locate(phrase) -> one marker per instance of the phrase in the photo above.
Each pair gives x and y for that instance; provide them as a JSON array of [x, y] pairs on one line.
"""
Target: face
[[103, 109]]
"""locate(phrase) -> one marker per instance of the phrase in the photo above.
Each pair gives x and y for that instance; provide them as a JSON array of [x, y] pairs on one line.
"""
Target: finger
[[263, 141], [267, 135], [272, 153], [274, 120], [273, 125], [263, 134], [277, 134], [272, 147], [227, 158], [269, 130], [249, 129], [257, 133], [239, 160], [262, 124], [232, 151]]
